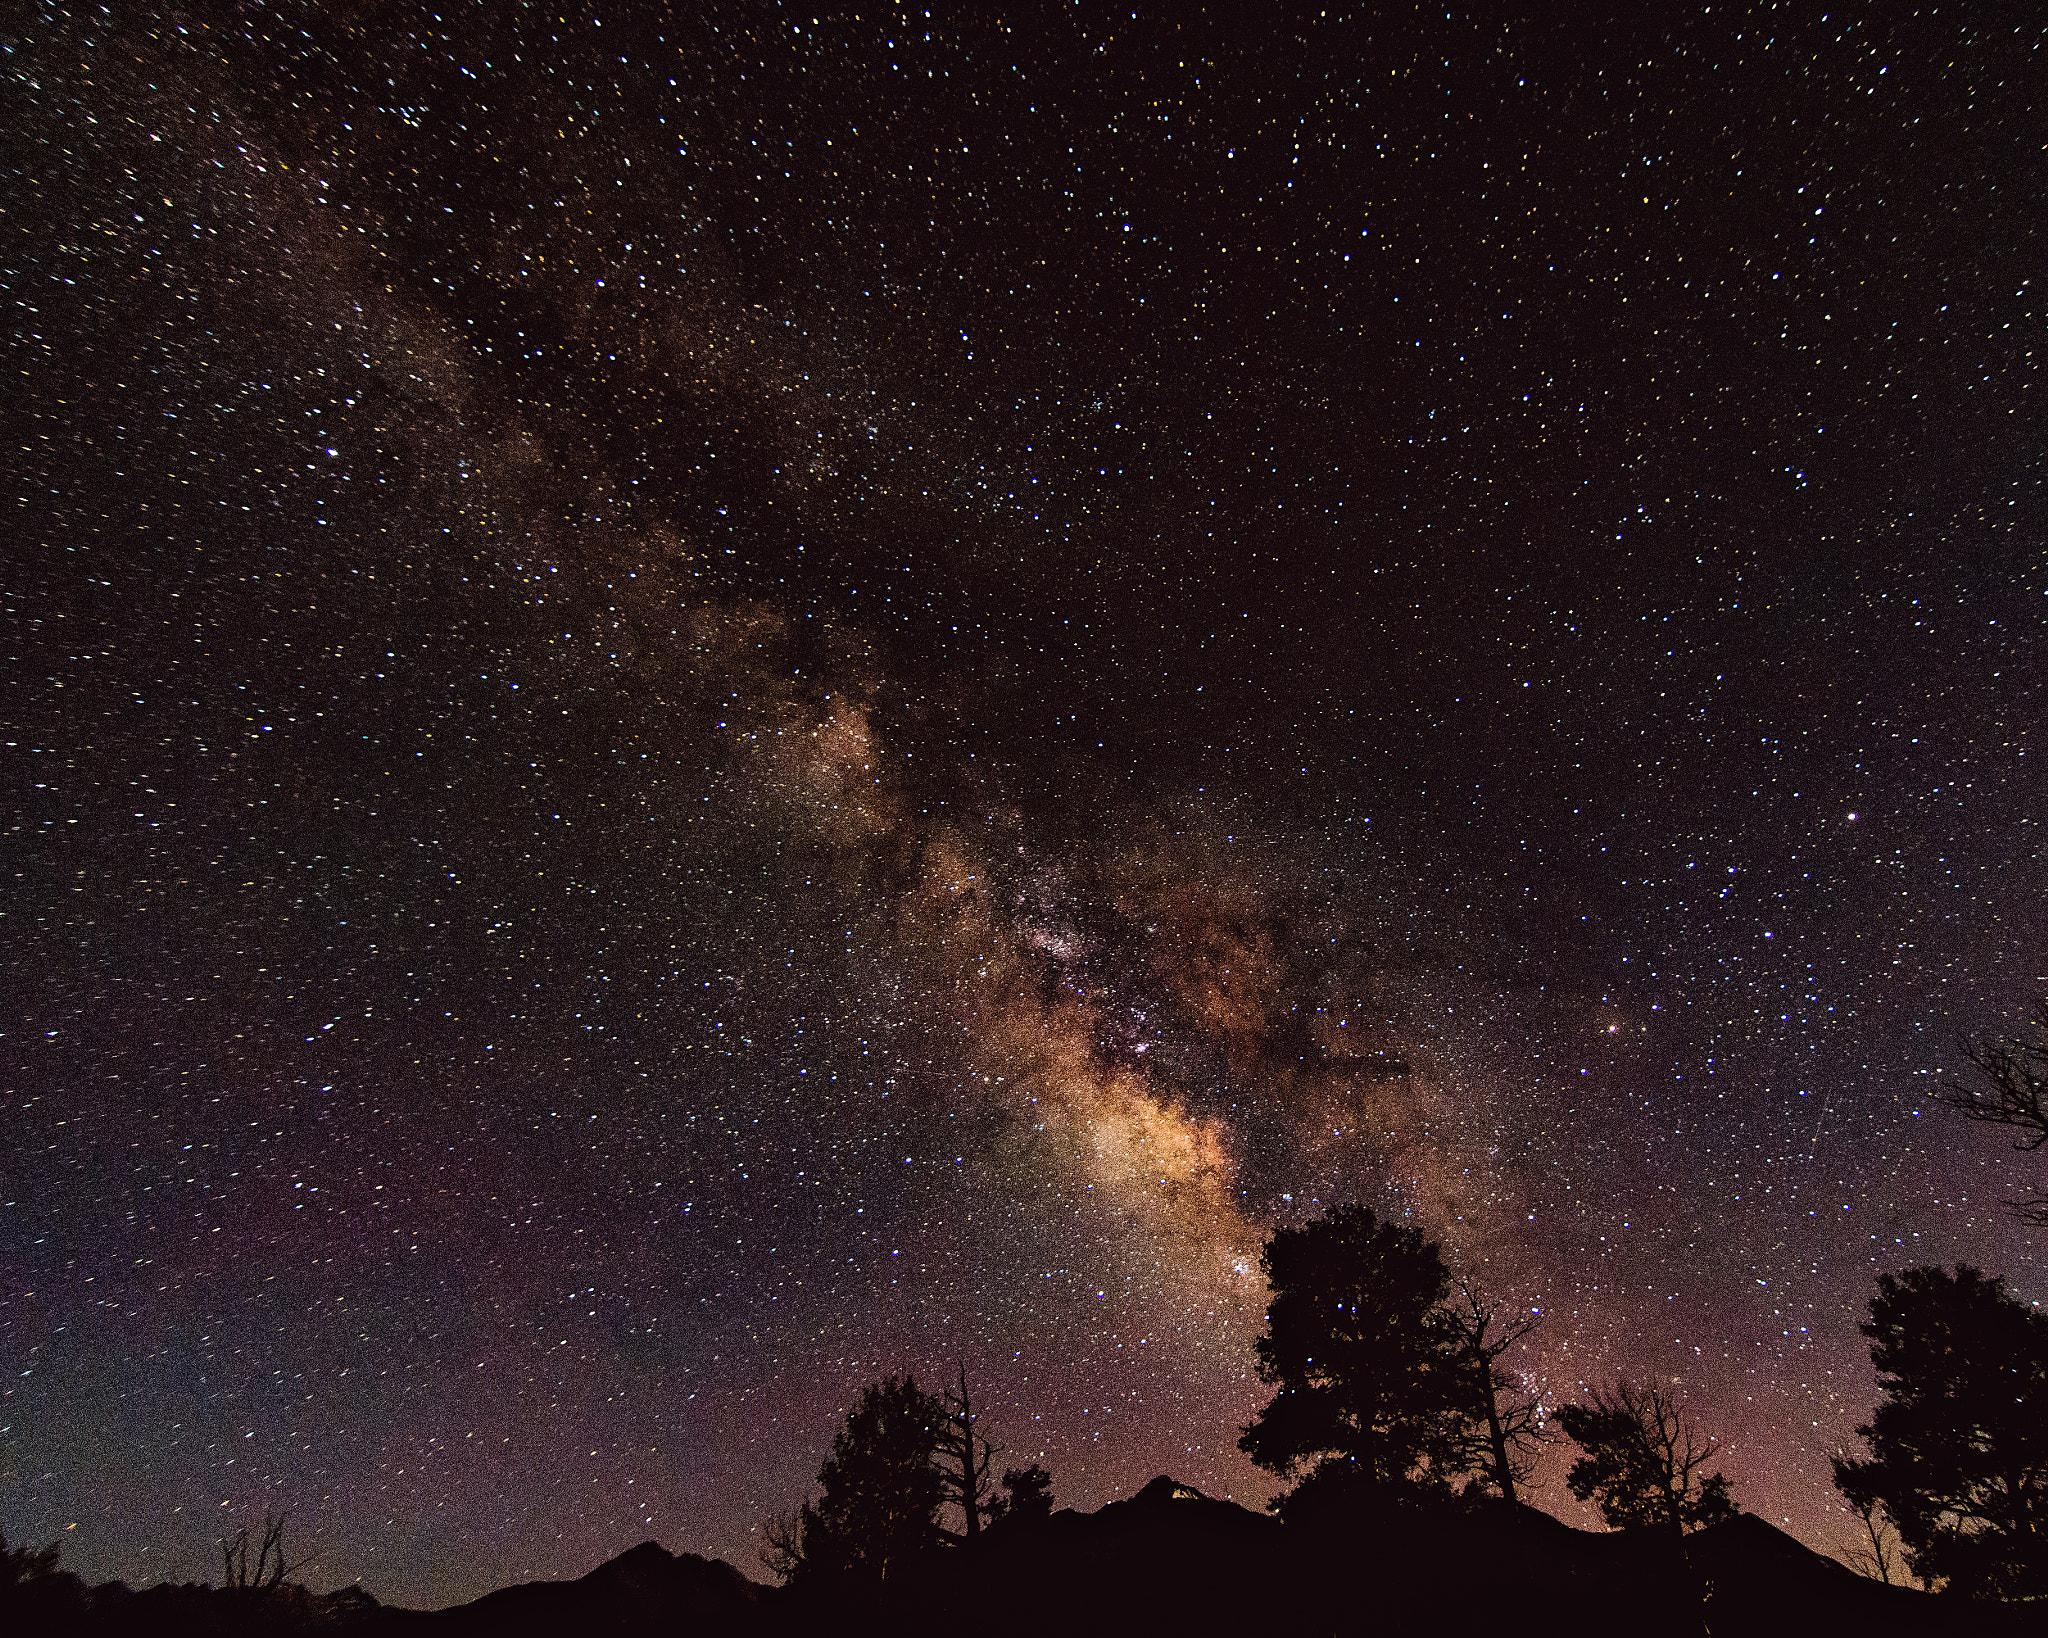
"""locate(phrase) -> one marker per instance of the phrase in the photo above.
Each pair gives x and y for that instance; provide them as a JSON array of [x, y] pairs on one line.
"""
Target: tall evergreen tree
[[1366, 1357], [1959, 1443], [881, 1491]]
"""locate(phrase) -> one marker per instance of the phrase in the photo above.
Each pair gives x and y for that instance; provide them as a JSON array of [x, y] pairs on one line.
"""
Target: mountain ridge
[[1168, 1555]]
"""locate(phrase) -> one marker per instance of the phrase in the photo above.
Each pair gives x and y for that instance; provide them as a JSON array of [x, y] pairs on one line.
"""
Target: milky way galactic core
[[701, 706]]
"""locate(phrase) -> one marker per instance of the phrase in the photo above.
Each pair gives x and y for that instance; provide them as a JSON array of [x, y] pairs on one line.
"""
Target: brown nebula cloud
[[1150, 1023], [1163, 1011], [1164, 1015]]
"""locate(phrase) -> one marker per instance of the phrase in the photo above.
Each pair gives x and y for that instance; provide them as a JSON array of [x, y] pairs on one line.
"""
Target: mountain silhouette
[[1166, 1559], [1171, 1559], [645, 1589]]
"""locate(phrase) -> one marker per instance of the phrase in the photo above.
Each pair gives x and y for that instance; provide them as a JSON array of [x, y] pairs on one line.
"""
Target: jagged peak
[[1165, 1489]]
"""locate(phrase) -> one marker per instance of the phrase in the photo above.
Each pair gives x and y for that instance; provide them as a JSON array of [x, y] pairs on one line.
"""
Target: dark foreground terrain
[[1167, 1560]]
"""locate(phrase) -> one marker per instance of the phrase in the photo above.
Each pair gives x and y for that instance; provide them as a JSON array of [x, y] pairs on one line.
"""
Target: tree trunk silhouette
[[963, 1459], [270, 1565], [1510, 1437], [1503, 1470]]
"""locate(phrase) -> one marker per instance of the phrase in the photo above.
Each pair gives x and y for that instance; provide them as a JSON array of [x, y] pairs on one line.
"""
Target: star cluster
[[706, 701]]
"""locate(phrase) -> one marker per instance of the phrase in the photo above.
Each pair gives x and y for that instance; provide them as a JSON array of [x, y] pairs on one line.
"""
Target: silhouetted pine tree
[[881, 1491], [1959, 1443], [1368, 1361]]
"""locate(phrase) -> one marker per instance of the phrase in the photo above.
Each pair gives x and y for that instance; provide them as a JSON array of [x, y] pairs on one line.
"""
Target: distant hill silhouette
[[645, 1589], [1168, 1559]]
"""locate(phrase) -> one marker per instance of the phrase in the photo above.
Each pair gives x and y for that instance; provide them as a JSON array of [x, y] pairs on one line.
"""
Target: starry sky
[[699, 704]]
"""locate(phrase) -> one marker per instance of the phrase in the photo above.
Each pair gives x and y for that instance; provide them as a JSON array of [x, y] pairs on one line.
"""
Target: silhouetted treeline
[[1364, 1561], [900, 1458], [1405, 1435]]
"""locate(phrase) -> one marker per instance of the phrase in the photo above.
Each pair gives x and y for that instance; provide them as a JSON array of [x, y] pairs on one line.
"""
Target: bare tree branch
[[1878, 1558], [783, 1552], [1514, 1425], [270, 1568], [1643, 1463], [2012, 1091], [964, 1458]]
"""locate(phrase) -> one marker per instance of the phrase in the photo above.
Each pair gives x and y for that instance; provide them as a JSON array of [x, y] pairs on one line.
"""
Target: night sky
[[697, 706]]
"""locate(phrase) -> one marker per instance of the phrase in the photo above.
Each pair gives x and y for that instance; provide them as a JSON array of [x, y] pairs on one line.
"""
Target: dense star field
[[703, 703]]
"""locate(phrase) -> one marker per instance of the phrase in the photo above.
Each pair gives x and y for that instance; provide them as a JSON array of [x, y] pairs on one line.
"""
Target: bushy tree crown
[[881, 1491], [1362, 1350], [1959, 1442]]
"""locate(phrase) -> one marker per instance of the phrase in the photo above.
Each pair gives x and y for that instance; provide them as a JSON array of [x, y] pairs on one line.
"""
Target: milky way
[[697, 708]]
